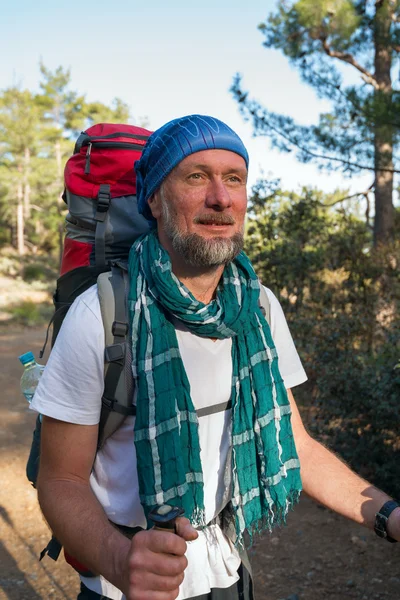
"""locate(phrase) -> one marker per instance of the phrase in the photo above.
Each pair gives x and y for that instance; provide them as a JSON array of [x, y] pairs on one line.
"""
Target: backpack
[[101, 225]]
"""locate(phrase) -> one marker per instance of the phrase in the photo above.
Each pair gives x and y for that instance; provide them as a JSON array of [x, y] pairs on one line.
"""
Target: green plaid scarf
[[265, 468]]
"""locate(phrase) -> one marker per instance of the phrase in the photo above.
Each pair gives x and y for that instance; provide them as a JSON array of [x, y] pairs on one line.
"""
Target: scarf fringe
[[197, 518], [275, 517]]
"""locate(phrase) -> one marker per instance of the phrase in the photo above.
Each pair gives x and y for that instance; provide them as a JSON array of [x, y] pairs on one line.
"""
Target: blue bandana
[[170, 144]]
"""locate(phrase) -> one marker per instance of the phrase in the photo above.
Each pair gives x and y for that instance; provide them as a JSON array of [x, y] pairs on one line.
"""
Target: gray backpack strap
[[101, 218], [118, 381], [265, 304]]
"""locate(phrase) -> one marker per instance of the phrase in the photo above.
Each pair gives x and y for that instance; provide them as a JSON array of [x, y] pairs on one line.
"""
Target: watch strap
[[381, 519]]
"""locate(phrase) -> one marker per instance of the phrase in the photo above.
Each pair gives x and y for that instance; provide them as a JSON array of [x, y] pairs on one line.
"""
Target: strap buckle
[[103, 202], [114, 353], [380, 525], [119, 328], [113, 405]]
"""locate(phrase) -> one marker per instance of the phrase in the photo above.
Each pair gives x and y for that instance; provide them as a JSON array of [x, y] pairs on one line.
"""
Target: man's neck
[[202, 283]]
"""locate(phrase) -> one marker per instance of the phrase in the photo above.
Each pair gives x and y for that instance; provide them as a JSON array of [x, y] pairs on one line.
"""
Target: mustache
[[217, 219]]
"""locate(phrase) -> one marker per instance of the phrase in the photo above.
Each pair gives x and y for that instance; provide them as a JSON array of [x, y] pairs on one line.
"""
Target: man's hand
[[393, 525], [156, 562]]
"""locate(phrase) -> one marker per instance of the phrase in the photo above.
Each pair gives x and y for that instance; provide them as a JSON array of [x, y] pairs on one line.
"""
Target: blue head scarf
[[170, 144]]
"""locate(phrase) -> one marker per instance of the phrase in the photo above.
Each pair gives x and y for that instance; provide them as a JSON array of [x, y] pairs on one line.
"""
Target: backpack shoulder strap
[[265, 304], [117, 396]]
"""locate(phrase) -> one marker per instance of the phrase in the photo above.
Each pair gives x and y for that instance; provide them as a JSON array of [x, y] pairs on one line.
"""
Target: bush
[[34, 272], [30, 313], [341, 298], [40, 269], [357, 409], [31, 268]]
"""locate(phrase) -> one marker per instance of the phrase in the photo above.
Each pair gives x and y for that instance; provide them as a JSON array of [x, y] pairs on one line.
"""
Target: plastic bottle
[[31, 375]]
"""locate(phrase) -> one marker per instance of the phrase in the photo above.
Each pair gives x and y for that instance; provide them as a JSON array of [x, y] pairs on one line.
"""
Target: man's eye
[[195, 176]]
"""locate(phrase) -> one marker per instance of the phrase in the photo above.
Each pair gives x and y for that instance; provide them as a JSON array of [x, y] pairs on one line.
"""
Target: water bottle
[[31, 375]]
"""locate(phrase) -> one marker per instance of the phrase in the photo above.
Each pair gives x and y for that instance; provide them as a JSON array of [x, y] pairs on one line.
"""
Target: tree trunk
[[60, 201], [20, 221], [27, 187], [383, 134]]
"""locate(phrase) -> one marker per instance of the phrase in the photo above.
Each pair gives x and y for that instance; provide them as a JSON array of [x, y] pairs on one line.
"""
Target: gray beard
[[197, 251]]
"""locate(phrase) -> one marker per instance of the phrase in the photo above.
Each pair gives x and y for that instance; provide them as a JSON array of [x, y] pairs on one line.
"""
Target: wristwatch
[[381, 519]]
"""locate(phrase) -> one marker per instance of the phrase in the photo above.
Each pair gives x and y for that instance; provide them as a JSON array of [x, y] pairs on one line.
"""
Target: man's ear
[[154, 203]]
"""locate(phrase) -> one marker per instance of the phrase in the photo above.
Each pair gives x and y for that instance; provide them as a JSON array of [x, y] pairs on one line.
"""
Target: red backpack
[[100, 191], [101, 226]]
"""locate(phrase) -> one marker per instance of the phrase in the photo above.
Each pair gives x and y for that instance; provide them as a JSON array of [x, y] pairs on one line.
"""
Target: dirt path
[[318, 555]]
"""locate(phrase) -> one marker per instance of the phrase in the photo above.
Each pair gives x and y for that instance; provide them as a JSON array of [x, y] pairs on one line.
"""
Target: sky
[[167, 59]]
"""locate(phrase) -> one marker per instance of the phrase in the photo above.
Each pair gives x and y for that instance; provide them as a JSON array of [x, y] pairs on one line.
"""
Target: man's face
[[201, 206]]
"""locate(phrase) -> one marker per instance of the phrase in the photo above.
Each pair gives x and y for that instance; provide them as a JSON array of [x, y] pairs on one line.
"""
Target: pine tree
[[118, 112], [65, 113], [361, 133], [37, 134], [19, 145]]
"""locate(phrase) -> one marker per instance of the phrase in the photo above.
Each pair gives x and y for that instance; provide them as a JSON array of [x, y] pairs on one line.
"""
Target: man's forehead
[[213, 159]]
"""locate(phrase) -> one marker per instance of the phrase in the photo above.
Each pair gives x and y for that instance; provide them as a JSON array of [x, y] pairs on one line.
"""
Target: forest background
[[331, 258]]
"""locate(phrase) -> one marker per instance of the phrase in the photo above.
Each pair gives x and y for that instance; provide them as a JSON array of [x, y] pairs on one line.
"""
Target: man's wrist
[[117, 551], [393, 524]]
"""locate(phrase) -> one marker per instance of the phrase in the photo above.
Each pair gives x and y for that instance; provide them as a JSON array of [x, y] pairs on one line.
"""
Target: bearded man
[[217, 431]]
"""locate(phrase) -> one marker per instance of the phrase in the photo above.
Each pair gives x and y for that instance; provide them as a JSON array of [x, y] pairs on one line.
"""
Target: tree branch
[[338, 89], [349, 58], [365, 194], [321, 156], [359, 109]]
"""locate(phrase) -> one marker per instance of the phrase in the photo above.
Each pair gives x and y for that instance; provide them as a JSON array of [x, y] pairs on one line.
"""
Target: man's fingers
[[185, 530], [158, 563], [157, 583], [163, 542], [152, 595]]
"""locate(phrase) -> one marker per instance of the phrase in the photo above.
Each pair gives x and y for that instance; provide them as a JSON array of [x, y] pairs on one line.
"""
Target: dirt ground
[[318, 555]]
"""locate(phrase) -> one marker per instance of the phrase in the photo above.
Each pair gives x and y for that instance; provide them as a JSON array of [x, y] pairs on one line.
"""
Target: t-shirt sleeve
[[289, 362], [72, 383]]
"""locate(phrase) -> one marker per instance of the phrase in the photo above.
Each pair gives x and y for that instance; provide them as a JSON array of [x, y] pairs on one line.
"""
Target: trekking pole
[[164, 517]]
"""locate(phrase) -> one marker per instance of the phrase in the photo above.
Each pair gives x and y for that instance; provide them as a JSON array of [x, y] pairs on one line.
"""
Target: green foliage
[[99, 113], [26, 313], [30, 313], [339, 17], [37, 133], [63, 110], [341, 298], [36, 271], [295, 28], [323, 38], [19, 116]]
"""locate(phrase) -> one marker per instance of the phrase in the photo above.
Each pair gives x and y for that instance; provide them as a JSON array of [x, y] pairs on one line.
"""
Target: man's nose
[[218, 196]]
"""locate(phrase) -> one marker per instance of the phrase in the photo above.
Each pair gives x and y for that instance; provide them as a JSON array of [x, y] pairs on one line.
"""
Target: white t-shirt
[[71, 388]]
